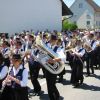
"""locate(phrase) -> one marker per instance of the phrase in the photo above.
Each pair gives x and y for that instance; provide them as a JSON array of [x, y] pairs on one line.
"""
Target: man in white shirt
[[6, 52], [3, 70], [90, 54], [77, 68], [51, 78]]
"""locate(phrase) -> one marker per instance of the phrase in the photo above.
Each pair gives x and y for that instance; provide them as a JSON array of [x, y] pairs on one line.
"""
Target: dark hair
[[53, 37], [19, 43], [91, 35], [1, 58], [16, 56], [59, 40], [6, 43]]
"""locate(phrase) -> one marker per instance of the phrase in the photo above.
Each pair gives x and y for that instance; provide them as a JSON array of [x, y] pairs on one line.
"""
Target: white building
[[19, 15], [86, 14]]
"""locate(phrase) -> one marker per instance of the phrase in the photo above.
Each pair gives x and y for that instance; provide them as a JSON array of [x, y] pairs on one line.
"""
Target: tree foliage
[[68, 25]]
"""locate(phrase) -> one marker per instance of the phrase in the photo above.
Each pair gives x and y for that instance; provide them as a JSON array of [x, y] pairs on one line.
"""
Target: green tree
[[68, 25]]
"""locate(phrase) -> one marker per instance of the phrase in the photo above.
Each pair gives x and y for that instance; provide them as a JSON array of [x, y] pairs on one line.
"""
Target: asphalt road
[[90, 90]]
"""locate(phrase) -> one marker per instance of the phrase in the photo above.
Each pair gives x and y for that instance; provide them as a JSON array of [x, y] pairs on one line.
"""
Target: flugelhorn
[[88, 47]]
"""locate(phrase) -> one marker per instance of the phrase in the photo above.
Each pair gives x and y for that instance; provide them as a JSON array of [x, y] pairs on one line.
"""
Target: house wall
[[19, 15], [97, 19], [80, 14]]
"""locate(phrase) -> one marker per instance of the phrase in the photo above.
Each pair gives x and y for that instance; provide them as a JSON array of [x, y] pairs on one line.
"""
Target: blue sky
[[69, 2]]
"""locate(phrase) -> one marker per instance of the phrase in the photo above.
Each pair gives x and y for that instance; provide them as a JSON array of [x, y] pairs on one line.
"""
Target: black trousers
[[77, 72], [62, 73], [90, 62], [34, 68], [69, 57], [97, 55], [51, 86], [14, 93]]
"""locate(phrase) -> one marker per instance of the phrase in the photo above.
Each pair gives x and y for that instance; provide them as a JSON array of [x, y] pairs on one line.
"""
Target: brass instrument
[[46, 53], [70, 49], [87, 47]]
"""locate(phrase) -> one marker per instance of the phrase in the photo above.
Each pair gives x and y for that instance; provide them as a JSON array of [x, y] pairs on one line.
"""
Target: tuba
[[46, 53]]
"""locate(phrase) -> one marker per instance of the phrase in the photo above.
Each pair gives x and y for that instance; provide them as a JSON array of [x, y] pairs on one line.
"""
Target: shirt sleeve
[[6, 55], [61, 55], [24, 81], [4, 72], [94, 46]]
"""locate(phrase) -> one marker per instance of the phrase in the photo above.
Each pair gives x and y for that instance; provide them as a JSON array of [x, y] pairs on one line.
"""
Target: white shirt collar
[[16, 71], [78, 48]]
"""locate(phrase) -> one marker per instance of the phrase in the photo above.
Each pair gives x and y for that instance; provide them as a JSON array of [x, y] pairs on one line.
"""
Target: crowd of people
[[81, 49]]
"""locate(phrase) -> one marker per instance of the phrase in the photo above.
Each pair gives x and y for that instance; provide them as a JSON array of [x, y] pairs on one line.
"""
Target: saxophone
[[46, 53]]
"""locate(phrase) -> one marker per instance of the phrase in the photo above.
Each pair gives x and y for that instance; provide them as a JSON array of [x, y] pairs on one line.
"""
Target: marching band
[[81, 50]]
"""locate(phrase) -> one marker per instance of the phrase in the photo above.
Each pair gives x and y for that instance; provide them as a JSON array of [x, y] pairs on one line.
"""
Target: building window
[[96, 23], [88, 22], [88, 17], [81, 5]]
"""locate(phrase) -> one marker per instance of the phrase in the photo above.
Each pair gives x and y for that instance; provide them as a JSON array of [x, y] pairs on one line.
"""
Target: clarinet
[[4, 85]]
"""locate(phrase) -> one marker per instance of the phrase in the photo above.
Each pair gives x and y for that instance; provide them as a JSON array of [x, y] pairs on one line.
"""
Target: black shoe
[[76, 85], [39, 93], [81, 82], [87, 75], [92, 72]]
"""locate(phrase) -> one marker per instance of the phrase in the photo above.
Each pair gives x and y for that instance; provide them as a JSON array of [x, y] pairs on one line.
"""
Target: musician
[[19, 50], [28, 42], [16, 81], [11, 41], [45, 38], [6, 52], [77, 68], [90, 46], [96, 52], [34, 68], [3, 38], [51, 78], [69, 55], [60, 47], [3, 69]]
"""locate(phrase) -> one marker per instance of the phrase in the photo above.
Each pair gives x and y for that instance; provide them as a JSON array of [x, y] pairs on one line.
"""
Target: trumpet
[[87, 47], [68, 50]]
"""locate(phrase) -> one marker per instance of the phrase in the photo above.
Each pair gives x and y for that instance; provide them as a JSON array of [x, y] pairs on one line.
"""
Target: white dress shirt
[[97, 42], [59, 52], [6, 52], [61, 55], [81, 53], [24, 80], [3, 72], [94, 45]]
